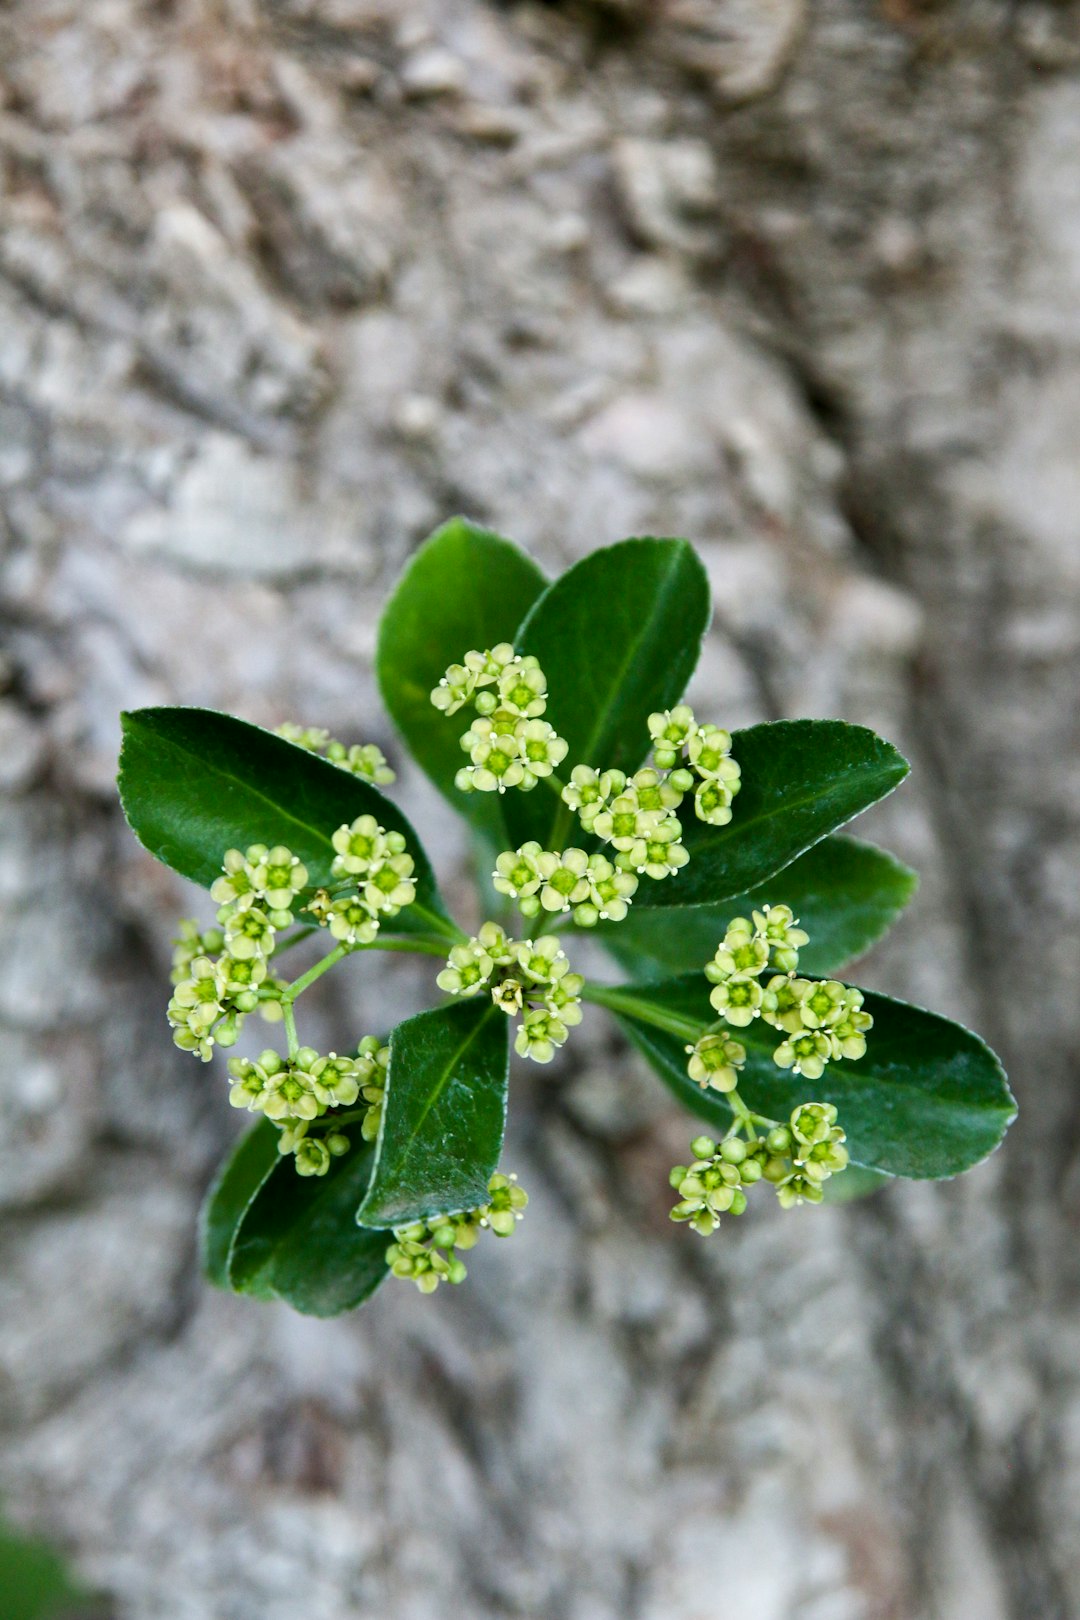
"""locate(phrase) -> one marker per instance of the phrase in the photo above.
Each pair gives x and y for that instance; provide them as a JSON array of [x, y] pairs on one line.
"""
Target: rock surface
[[282, 284]]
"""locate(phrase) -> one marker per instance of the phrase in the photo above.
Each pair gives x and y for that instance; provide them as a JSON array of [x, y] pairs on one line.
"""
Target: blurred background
[[283, 283]]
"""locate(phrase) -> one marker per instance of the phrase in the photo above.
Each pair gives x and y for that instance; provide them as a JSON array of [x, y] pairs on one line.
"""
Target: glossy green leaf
[[618, 636], [35, 1583], [801, 779], [445, 1113], [233, 1190], [929, 1099], [195, 783], [844, 892], [464, 588], [299, 1241]]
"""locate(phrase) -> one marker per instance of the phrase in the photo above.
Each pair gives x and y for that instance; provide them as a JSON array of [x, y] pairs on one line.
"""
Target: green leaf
[[929, 1099], [445, 1113], [299, 1241], [194, 783], [844, 892], [801, 779], [230, 1196], [464, 588], [35, 1581], [618, 636]]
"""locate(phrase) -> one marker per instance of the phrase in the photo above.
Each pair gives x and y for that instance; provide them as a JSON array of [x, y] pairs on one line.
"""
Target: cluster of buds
[[590, 886], [508, 744], [297, 1092], [594, 887], [754, 975], [527, 977], [697, 754], [222, 975], [427, 1252], [372, 1062], [797, 1159], [365, 760], [821, 1021], [636, 816], [372, 866]]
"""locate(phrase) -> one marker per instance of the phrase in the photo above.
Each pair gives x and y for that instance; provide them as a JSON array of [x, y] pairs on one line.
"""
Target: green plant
[[35, 1581], [714, 876]]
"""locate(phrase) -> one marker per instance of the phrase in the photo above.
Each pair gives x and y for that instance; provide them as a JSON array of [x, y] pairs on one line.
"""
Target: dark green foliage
[[618, 637]]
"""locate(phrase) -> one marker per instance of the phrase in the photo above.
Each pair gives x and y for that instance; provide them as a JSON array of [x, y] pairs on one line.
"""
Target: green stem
[[563, 822], [744, 1119], [298, 986], [323, 965], [646, 1011], [290, 1028]]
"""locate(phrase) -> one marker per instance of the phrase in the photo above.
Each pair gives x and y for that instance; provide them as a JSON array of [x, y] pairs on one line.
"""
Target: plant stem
[[290, 1027], [298, 986], [290, 993], [562, 826], [646, 1011], [743, 1117], [423, 944]]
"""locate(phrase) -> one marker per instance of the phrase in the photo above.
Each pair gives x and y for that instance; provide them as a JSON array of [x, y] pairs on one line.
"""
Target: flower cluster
[[426, 1252], [754, 975], [797, 1158], [508, 744], [531, 977], [540, 880], [594, 887], [364, 760], [636, 816], [372, 866], [212, 997], [697, 753], [821, 1021], [298, 1091]]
